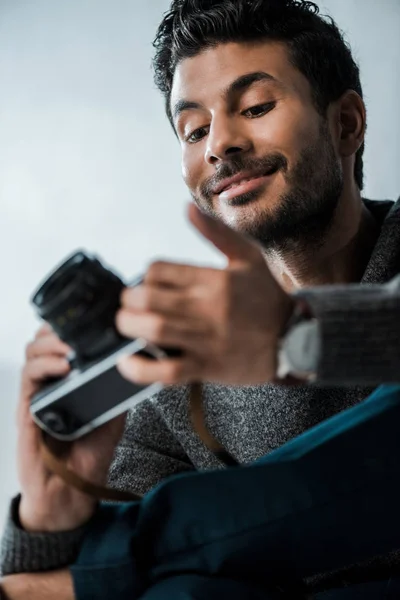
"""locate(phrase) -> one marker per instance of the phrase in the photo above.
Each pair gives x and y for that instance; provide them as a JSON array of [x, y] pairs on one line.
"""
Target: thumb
[[236, 247]]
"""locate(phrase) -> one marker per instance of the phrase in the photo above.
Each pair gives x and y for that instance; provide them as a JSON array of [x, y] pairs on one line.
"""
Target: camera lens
[[80, 300]]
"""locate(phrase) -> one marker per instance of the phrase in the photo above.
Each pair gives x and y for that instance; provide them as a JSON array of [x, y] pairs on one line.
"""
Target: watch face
[[302, 347]]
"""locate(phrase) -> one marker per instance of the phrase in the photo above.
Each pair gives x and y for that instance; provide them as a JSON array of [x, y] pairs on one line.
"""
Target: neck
[[343, 255]]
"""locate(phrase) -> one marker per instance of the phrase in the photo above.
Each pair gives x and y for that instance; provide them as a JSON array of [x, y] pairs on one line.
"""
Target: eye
[[259, 110], [196, 135]]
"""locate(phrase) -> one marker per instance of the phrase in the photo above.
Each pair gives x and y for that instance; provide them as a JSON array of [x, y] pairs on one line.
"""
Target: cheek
[[287, 131], [192, 164]]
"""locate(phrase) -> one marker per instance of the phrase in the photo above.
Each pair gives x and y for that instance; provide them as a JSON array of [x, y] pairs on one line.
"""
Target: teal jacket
[[325, 500]]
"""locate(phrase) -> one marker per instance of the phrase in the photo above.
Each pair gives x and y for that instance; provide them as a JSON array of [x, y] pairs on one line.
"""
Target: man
[[266, 102]]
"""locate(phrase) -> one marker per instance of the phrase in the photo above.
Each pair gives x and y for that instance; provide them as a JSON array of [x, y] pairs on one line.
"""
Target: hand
[[226, 322], [47, 503], [38, 586]]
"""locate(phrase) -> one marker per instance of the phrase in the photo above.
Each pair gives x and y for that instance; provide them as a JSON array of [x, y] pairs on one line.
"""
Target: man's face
[[255, 151]]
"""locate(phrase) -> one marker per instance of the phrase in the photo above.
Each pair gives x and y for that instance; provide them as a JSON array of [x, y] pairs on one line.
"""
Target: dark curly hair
[[316, 45]]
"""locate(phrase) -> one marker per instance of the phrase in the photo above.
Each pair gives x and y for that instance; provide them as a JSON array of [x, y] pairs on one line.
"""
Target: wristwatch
[[300, 346]]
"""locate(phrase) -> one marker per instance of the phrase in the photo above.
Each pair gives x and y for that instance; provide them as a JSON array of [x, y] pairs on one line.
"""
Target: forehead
[[208, 74]]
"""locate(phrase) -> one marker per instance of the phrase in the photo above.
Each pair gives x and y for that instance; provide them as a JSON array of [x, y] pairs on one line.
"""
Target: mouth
[[242, 183]]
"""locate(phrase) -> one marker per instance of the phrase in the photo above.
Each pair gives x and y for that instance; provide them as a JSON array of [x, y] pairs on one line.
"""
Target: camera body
[[80, 300], [90, 396]]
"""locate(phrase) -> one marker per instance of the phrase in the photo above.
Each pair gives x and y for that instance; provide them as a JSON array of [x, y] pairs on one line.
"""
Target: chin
[[245, 212]]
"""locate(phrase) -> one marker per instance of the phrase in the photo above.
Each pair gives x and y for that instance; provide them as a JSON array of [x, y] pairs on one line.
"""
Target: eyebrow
[[240, 84], [245, 81], [181, 105]]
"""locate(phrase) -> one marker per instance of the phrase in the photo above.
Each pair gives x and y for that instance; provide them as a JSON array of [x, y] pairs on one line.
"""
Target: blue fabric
[[375, 590], [196, 587], [326, 499]]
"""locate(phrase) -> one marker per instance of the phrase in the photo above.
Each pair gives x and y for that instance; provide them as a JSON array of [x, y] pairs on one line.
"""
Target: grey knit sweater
[[360, 327]]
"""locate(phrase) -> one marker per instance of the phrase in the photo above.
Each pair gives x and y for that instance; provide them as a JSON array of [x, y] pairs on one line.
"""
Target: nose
[[224, 139]]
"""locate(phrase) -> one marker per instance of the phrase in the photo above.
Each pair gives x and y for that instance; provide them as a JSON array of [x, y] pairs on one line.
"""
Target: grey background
[[87, 157]]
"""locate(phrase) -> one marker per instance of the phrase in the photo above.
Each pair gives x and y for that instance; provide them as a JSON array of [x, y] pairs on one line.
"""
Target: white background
[[87, 157]]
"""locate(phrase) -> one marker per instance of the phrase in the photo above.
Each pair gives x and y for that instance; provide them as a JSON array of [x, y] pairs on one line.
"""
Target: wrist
[[50, 520], [299, 347]]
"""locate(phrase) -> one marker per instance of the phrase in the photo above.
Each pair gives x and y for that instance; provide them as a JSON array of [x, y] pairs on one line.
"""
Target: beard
[[304, 213]]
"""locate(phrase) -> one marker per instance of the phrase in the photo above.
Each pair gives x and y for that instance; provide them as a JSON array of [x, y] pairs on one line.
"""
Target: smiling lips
[[240, 184]]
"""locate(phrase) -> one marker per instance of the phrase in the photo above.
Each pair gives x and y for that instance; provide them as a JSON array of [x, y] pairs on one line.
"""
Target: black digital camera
[[80, 300]]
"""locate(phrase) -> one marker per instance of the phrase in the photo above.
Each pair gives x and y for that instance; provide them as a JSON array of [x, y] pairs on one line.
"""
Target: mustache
[[237, 164]]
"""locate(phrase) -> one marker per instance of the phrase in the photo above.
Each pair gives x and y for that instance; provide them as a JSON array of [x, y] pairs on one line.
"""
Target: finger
[[30, 434], [35, 372], [236, 247], [168, 372], [41, 368], [47, 344], [44, 330], [159, 330], [176, 275], [151, 298]]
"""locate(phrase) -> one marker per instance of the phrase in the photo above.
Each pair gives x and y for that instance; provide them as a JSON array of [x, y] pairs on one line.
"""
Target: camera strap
[[55, 454], [196, 408]]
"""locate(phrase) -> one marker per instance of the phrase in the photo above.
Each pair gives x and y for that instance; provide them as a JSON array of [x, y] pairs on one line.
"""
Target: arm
[[147, 453], [36, 586], [360, 332], [23, 551], [231, 334]]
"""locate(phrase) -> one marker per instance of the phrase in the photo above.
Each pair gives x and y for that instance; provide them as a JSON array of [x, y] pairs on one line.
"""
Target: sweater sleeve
[[28, 552], [360, 332], [147, 454]]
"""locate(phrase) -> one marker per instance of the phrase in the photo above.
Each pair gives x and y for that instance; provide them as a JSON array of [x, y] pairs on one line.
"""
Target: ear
[[352, 123]]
